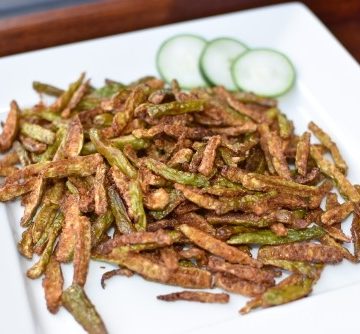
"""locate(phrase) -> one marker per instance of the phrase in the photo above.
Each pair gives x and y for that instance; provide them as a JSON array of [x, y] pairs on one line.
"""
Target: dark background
[[33, 24]]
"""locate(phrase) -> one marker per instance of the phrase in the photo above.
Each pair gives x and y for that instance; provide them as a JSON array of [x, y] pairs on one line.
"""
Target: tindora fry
[[169, 257], [115, 272], [9, 159], [241, 271], [23, 155], [217, 247], [39, 267], [337, 214], [310, 252], [266, 237], [283, 293], [113, 155], [233, 284], [298, 267], [177, 187], [196, 296], [159, 237], [330, 145], [122, 220], [25, 245], [137, 263], [11, 127], [74, 139], [190, 278], [32, 145], [137, 205], [259, 182], [197, 221], [100, 226], [52, 283], [67, 240], [355, 233], [82, 250], [37, 132], [177, 176], [302, 153], [10, 191], [345, 187], [174, 108], [101, 203], [275, 146], [32, 201], [175, 198], [64, 99], [207, 162], [329, 241], [286, 127], [78, 304], [157, 199], [75, 99], [47, 89]]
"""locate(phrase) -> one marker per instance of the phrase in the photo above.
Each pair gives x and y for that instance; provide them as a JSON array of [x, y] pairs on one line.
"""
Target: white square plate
[[326, 91]]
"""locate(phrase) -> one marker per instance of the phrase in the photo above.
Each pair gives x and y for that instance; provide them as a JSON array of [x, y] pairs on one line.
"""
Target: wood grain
[[107, 17]]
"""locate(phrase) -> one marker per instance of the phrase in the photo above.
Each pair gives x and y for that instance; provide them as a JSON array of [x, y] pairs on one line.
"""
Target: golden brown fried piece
[[159, 237], [52, 283], [302, 153], [248, 273], [115, 272], [355, 233], [9, 159], [306, 251], [169, 257], [75, 99], [32, 201], [207, 162], [343, 184], [100, 197], [11, 127], [279, 229], [217, 247], [337, 214], [32, 145], [157, 199], [82, 250], [138, 263], [190, 278], [275, 146], [67, 240], [196, 296], [74, 139], [233, 284], [330, 145], [194, 253], [10, 191], [83, 188], [197, 221]]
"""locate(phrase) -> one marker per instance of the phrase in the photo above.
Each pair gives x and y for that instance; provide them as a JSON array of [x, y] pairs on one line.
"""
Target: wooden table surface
[[107, 17]]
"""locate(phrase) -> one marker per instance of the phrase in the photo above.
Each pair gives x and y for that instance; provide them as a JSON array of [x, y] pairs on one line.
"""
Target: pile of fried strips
[[181, 188]]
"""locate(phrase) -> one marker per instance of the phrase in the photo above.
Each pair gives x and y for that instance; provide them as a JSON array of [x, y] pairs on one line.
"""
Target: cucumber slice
[[178, 58], [265, 72], [216, 60]]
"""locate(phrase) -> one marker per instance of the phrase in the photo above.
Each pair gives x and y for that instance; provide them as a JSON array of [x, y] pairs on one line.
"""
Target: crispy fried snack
[[196, 296], [176, 187]]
